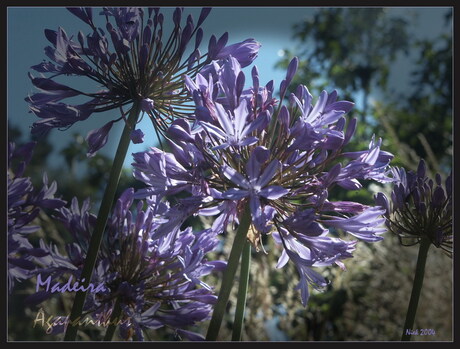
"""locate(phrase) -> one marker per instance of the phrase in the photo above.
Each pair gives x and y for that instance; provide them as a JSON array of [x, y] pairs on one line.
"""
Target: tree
[[421, 122], [348, 48]]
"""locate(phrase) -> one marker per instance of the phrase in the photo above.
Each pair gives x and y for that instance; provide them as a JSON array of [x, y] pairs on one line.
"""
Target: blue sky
[[272, 27]]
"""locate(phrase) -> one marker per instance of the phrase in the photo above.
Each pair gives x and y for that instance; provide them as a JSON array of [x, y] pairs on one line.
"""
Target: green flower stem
[[416, 289], [242, 293], [116, 312], [101, 222], [229, 274]]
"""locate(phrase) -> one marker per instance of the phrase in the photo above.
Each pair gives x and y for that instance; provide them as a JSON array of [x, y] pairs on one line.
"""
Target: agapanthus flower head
[[247, 149], [24, 205], [419, 208], [155, 273], [132, 60]]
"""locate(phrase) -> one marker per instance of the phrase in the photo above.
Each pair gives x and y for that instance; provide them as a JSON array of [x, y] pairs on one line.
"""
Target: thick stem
[[116, 312], [229, 274], [101, 221], [416, 289], [242, 293]]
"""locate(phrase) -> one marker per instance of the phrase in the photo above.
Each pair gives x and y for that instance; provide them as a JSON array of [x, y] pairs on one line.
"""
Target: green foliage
[[348, 49], [422, 122]]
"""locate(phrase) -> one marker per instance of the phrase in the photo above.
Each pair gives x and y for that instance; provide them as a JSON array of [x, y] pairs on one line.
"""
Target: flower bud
[[439, 197], [147, 105], [438, 179], [421, 170], [98, 138], [382, 201], [284, 117], [137, 136]]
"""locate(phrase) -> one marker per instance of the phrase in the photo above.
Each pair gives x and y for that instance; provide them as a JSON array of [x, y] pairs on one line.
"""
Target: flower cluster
[[420, 208], [133, 61], [24, 205], [246, 149], [153, 272]]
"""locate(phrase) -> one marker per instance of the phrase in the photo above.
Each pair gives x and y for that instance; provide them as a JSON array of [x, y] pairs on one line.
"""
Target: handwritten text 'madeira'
[[68, 286]]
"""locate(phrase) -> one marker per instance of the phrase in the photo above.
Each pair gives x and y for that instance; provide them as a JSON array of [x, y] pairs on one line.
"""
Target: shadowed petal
[[98, 138]]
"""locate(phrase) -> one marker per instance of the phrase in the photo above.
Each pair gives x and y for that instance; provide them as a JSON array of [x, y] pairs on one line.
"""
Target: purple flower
[[306, 242], [324, 112], [420, 208], [246, 148], [133, 62], [371, 164], [146, 261], [255, 186], [245, 52], [366, 226], [161, 171], [301, 256], [24, 205], [234, 131]]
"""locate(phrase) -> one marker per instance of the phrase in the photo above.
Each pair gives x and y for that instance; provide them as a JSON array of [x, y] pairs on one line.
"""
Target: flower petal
[[273, 192], [234, 176], [269, 173], [224, 119], [235, 194]]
